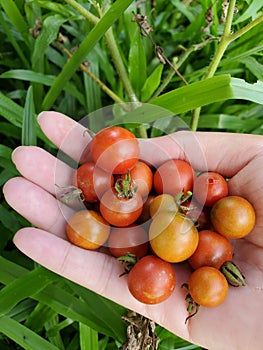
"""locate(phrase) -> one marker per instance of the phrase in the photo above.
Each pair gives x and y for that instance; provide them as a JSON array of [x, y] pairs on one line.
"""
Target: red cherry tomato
[[151, 280], [198, 213], [92, 181], [213, 250], [145, 214], [233, 216], [87, 229], [142, 174], [174, 176], [209, 187], [173, 237], [120, 211], [115, 149], [208, 286], [132, 239]]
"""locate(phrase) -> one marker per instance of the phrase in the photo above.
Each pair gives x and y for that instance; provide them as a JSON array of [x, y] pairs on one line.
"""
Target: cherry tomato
[[115, 149], [209, 187], [173, 237], [151, 280], [208, 286], [92, 181], [233, 217], [87, 229], [174, 176], [132, 239], [142, 174], [213, 250], [120, 211], [161, 203]]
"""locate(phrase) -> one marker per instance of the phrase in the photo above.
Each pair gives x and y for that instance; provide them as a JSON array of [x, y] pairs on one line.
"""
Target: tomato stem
[[126, 187]]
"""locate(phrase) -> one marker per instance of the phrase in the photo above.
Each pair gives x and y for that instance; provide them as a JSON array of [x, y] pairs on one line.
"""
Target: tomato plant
[[120, 211], [173, 237], [151, 280], [173, 177], [213, 250], [209, 187], [87, 229], [132, 239], [92, 181], [115, 149], [233, 216], [208, 286]]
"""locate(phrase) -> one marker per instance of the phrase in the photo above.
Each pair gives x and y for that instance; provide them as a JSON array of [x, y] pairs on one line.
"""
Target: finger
[[100, 273], [69, 136], [222, 152], [42, 168], [37, 206]]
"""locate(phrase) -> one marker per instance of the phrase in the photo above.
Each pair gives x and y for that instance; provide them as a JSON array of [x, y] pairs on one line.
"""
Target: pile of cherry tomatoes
[[151, 219]]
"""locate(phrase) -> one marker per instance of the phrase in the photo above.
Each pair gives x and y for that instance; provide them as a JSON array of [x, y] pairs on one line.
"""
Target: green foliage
[[50, 53]]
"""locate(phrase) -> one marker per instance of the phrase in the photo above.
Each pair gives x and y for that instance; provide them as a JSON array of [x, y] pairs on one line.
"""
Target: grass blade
[[86, 46], [29, 121], [88, 338], [23, 336]]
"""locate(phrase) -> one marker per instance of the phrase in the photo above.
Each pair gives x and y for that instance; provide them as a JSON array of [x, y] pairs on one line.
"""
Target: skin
[[235, 324]]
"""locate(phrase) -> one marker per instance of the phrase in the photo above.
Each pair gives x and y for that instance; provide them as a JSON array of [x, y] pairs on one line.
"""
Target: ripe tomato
[[233, 217], [174, 176], [120, 211], [115, 149], [151, 280], [208, 286], [209, 187], [162, 203], [142, 174], [92, 181], [212, 250], [173, 237], [87, 229], [132, 239]]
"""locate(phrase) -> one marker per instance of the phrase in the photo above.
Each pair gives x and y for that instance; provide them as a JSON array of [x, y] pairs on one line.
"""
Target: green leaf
[[29, 121], [23, 336], [253, 66], [252, 10], [88, 338], [137, 62], [152, 83], [85, 47], [25, 286], [9, 219], [16, 19]]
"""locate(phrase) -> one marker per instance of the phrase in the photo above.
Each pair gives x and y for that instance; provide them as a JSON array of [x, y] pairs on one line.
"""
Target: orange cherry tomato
[[208, 286], [87, 229], [173, 237]]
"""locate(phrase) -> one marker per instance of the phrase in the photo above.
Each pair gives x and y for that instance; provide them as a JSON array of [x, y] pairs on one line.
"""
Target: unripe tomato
[[213, 250], [174, 176], [209, 187], [92, 181], [132, 239], [233, 217], [151, 280], [208, 286], [87, 229], [115, 149], [173, 237]]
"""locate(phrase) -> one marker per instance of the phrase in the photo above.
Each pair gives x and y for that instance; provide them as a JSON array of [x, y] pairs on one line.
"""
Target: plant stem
[[223, 44], [113, 48], [245, 29], [104, 87]]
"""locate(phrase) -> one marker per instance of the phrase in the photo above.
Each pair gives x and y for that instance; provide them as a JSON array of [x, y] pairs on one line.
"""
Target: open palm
[[235, 324]]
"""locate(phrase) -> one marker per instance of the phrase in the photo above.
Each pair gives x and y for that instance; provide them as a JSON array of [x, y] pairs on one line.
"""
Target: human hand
[[233, 325]]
